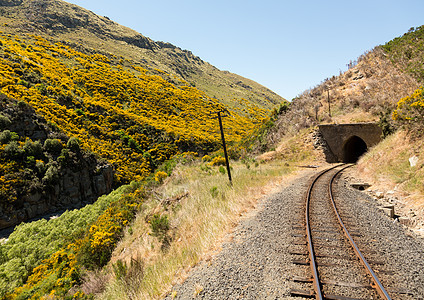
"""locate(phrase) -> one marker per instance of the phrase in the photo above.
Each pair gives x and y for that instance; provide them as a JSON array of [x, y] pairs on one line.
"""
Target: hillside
[[147, 109], [41, 169], [126, 115], [102, 119], [368, 91], [62, 22]]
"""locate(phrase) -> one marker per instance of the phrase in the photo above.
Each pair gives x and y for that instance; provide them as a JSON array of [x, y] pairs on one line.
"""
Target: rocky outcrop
[[73, 190], [60, 16], [10, 2], [63, 180]]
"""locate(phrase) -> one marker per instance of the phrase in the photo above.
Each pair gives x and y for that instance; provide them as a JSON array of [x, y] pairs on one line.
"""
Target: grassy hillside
[[60, 21], [368, 91], [144, 107], [121, 112], [118, 110], [407, 52]]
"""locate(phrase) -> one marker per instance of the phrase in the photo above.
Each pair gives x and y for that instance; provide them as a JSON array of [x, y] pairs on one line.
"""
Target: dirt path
[[257, 264]]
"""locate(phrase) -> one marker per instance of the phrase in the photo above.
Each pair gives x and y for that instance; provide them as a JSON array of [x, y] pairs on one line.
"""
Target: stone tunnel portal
[[353, 148]]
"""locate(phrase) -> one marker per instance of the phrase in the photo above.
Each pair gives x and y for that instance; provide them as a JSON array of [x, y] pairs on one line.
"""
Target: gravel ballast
[[257, 264]]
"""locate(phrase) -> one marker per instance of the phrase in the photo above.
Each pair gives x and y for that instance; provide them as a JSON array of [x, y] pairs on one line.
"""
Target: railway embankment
[[256, 262]]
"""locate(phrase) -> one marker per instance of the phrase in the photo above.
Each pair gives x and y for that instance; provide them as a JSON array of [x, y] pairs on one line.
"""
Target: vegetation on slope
[[33, 242], [117, 110], [121, 112], [59, 21], [35, 162], [367, 92], [407, 52], [184, 219]]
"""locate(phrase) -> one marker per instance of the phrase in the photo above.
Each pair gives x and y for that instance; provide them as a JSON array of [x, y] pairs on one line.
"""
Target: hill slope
[[67, 23], [120, 111], [42, 170], [367, 91]]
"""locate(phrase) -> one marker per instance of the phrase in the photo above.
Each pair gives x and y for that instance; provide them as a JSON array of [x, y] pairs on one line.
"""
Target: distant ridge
[[60, 21]]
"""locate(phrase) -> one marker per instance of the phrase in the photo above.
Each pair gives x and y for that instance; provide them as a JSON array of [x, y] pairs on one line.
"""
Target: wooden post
[[328, 98], [225, 148]]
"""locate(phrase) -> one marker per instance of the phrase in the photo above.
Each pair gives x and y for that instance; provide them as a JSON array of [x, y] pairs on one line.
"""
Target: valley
[[118, 133]]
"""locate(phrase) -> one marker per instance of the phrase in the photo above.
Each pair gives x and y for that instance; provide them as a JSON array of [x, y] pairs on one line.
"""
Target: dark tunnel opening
[[353, 149]]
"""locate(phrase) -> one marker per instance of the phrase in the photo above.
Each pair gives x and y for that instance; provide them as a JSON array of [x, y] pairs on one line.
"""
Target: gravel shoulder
[[399, 250], [255, 263]]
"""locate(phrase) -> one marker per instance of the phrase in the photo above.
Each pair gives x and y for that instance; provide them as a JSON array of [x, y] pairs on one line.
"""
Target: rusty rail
[[312, 261], [318, 293], [376, 283]]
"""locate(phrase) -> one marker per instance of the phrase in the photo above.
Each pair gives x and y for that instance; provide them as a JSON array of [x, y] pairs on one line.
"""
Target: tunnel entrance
[[353, 149]]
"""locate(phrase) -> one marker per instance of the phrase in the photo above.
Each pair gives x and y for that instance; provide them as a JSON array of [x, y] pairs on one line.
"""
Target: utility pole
[[225, 147], [328, 99]]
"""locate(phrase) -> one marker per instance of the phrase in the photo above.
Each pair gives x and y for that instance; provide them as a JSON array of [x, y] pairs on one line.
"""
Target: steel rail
[[312, 261], [376, 283]]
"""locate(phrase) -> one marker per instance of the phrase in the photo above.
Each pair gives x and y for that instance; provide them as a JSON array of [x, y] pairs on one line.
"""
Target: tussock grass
[[388, 162], [386, 166], [202, 208]]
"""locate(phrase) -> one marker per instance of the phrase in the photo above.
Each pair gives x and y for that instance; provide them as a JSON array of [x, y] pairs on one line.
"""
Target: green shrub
[[7, 136], [33, 148], [52, 175], [385, 123], [13, 151], [53, 146], [214, 191], [222, 170], [160, 226], [73, 144], [30, 161], [4, 121], [40, 167]]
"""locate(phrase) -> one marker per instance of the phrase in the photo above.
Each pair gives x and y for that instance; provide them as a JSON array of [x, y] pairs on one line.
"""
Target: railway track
[[338, 268]]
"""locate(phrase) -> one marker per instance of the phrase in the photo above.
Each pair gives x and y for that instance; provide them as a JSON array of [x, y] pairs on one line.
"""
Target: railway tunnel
[[353, 149], [348, 142]]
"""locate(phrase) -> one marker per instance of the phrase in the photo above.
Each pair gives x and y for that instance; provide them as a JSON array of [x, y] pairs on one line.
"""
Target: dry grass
[[391, 168], [202, 209], [387, 168], [360, 94], [296, 148]]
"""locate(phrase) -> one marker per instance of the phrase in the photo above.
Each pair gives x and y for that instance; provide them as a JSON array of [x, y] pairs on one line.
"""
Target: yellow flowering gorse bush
[[127, 115]]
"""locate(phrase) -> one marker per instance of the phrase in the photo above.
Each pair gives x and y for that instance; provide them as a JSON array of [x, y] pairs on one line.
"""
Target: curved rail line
[[313, 264]]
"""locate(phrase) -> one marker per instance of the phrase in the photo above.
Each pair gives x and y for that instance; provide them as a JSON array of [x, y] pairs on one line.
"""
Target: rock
[[405, 221], [81, 179], [34, 198], [413, 161], [379, 195]]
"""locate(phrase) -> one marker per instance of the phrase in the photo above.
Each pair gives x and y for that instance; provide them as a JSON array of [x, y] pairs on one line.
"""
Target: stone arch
[[353, 148]]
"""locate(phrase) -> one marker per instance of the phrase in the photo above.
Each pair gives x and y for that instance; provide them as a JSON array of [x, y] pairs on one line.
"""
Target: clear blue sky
[[287, 46]]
